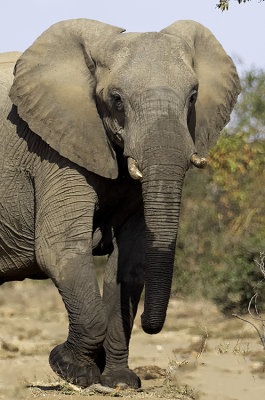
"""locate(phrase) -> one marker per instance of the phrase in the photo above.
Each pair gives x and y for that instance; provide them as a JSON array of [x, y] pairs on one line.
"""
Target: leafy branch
[[224, 4]]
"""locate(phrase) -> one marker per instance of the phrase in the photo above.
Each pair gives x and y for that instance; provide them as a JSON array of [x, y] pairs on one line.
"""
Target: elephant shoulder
[[9, 57], [7, 64]]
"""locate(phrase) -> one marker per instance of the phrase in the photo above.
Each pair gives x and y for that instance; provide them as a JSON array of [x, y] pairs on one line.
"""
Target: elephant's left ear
[[219, 85], [54, 91]]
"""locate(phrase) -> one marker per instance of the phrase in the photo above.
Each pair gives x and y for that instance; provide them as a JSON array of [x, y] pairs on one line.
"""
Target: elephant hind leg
[[17, 214]]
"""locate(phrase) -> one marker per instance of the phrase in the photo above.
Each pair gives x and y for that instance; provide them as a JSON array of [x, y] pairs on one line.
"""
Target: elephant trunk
[[160, 162], [162, 187]]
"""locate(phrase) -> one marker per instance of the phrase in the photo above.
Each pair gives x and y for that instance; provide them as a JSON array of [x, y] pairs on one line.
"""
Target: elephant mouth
[[135, 173]]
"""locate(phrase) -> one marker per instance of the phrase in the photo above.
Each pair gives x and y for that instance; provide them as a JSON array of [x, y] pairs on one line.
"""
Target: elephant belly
[[16, 224]]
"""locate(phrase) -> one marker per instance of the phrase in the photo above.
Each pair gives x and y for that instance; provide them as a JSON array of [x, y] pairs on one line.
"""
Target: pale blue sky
[[241, 30]]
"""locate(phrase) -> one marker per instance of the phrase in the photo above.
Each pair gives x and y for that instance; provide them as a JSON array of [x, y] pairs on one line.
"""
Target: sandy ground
[[200, 354]]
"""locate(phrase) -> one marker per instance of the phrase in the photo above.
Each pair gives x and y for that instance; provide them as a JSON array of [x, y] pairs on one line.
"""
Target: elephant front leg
[[123, 284], [64, 253], [76, 359]]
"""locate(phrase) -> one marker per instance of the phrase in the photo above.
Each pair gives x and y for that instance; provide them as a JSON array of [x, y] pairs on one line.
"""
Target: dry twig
[[257, 317], [204, 343]]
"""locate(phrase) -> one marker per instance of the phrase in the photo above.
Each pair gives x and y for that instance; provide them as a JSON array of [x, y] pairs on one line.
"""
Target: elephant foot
[[63, 363], [120, 377]]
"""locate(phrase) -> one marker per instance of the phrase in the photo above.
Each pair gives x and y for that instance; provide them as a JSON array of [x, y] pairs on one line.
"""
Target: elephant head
[[162, 97]]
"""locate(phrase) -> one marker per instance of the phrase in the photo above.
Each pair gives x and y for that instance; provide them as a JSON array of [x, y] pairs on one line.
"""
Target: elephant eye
[[193, 98], [116, 98]]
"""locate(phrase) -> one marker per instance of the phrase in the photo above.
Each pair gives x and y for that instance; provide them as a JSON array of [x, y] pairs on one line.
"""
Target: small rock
[[150, 372], [257, 366], [9, 347], [7, 312]]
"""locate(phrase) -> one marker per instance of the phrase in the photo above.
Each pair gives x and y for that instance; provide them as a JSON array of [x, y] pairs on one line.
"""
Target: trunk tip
[[151, 327]]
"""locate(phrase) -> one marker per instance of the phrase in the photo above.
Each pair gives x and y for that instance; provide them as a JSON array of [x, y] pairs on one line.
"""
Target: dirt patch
[[199, 354]]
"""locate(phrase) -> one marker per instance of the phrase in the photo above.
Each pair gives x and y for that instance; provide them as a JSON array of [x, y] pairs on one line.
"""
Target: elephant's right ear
[[54, 91], [219, 85]]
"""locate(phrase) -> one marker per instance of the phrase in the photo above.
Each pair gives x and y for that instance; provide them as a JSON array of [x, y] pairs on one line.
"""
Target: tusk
[[133, 169], [199, 162]]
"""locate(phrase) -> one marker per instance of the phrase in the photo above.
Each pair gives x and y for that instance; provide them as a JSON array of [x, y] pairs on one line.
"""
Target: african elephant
[[98, 128]]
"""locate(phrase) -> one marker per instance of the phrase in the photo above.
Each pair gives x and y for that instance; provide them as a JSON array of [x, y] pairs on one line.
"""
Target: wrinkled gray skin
[[85, 97]]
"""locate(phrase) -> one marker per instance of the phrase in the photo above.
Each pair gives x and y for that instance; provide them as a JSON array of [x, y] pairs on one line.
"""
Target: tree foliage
[[222, 226], [250, 110], [224, 4]]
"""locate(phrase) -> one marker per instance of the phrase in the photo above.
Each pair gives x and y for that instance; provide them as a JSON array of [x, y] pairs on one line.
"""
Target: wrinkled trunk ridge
[[162, 187]]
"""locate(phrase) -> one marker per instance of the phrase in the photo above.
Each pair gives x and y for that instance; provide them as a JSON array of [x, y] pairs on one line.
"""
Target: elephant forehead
[[151, 45], [152, 58]]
